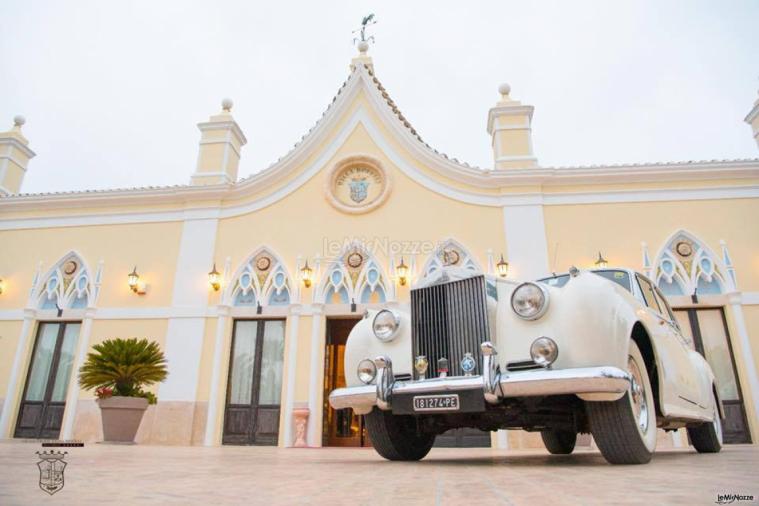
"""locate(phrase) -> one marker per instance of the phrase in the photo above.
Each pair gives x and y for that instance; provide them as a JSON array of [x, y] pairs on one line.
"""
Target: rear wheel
[[396, 437], [559, 442], [707, 437], [625, 429]]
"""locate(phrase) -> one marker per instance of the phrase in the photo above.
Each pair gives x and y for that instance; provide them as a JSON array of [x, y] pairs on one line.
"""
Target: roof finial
[[226, 104], [362, 39], [18, 121]]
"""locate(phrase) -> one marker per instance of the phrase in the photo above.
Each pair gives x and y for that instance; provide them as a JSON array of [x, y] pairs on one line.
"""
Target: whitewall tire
[[625, 429]]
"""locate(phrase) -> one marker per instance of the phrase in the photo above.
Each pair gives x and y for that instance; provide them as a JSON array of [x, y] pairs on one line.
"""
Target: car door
[[693, 379], [674, 364]]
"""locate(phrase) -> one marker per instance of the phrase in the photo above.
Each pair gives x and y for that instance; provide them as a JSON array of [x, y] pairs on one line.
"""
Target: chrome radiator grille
[[449, 320]]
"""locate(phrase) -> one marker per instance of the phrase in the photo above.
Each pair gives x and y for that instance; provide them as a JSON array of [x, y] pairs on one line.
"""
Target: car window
[[648, 293], [557, 281], [622, 278], [663, 303]]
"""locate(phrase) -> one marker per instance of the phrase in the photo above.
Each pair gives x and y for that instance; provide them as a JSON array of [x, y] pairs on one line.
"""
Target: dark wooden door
[[252, 411], [41, 411], [706, 329], [342, 427]]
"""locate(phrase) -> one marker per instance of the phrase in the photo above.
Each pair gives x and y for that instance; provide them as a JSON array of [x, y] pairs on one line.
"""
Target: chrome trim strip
[[583, 380]]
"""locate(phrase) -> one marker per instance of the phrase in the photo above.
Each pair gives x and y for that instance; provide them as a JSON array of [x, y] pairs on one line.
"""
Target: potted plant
[[117, 371]]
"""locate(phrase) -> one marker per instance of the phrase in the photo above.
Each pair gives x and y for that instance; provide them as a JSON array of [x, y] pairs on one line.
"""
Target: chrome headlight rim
[[542, 309], [540, 359], [366, 366], [397, 323]]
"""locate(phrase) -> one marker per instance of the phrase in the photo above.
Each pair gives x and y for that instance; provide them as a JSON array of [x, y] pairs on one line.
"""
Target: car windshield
[[622, 278]]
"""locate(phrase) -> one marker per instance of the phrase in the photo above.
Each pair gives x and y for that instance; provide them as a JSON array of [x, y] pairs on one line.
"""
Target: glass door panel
[[717, 353], [243, 362], [44, 399], [272, 356]]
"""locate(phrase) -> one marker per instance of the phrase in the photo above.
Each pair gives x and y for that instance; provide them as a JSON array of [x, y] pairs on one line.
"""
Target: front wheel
[[396, 437], [625, 429], [707, 437], [559, 442]]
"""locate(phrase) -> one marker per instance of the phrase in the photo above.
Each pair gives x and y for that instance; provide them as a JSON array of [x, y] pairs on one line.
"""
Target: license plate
[[449, 402]]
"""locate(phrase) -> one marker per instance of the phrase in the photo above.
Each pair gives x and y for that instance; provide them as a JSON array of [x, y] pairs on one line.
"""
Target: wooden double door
[[251, 416], [43, 402], [707, 332]]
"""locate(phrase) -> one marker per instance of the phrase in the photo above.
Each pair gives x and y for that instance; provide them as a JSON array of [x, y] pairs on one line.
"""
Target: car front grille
[[449, 320]]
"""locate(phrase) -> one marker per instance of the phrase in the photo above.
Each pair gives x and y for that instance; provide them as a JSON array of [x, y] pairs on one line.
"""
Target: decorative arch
[[262, 279], [67, 285], [354, 276], [686, 265], [450, 252]]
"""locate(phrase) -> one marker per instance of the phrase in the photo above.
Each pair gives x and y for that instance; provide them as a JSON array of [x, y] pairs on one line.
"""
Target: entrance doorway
[[251, 416], [706, 330], [44, 401], [341, 427]]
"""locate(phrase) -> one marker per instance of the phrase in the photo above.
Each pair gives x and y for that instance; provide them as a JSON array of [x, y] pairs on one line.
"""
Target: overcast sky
[[112, 91]]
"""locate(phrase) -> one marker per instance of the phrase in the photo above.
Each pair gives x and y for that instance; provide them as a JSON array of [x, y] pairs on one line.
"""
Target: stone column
[[72, 394], [292, 369], [314, 386]]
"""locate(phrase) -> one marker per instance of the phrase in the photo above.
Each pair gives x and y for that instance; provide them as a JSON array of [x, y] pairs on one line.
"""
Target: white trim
[[10, 404], [747, 357], [526, 243], [749, 298], [12, 141], [516, 158], [752, 115], [72, 396], [214, 399], [292, 368], [313, 433]]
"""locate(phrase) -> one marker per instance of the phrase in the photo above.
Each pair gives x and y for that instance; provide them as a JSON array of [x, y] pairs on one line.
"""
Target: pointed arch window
[[354, 276], [67, 285], [686, 266], [262, 280], [450, 253]]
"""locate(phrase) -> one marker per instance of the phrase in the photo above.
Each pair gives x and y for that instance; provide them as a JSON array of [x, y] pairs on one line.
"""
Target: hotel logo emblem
[[357, 184], [51, 467]]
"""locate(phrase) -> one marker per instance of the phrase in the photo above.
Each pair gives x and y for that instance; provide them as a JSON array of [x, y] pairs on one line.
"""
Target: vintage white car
[[595, 352]]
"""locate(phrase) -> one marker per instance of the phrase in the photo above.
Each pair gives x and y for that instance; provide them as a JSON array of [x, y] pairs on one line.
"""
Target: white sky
[[112, 91]]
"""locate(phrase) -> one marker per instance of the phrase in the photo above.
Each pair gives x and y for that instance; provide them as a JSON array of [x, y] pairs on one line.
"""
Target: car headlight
[[385, 325], [544, 351], [366, 371], [529, 301]]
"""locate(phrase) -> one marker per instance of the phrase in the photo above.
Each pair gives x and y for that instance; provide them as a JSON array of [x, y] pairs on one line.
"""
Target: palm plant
[[124, 367]]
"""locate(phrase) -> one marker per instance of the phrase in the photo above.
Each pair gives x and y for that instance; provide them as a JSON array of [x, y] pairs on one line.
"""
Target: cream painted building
[[358, 196]]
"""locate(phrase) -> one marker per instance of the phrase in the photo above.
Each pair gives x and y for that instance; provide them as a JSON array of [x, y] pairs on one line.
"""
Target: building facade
[[351, 218]]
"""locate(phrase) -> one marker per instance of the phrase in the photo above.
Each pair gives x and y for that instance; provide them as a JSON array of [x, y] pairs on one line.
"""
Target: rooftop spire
[[362, 43]]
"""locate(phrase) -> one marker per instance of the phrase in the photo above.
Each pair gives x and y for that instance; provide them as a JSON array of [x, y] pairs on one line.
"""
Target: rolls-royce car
[[588, 351]]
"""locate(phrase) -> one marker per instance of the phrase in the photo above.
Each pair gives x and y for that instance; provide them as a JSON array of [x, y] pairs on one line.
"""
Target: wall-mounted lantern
[[137, 285], [133, 279], [502, 267], [2, 286], [402, 270], [214, 278], [306, 275], [601, 263]]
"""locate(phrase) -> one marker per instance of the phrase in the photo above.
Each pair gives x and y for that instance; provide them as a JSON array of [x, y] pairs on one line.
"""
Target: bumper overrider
[[605, 382]]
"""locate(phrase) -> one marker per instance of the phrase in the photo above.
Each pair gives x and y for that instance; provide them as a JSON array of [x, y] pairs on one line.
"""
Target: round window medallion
[[684, 249], [357, 184], [263, 263], [355, 260], [69, 268], [451, 257]]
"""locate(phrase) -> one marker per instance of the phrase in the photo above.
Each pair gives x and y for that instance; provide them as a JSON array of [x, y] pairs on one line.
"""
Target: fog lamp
[[544, 351], [366, 371]]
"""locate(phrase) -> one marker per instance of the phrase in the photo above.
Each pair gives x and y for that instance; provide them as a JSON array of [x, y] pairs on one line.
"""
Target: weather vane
[[368, 20]]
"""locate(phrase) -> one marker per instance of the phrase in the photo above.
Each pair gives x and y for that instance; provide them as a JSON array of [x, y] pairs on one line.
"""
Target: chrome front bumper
[[597, 383]]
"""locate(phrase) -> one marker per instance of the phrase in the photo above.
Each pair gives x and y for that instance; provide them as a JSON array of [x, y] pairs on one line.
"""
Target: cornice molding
[[13, 142]]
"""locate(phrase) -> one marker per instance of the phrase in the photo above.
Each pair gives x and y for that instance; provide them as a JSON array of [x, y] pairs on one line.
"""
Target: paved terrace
[[106, 474]]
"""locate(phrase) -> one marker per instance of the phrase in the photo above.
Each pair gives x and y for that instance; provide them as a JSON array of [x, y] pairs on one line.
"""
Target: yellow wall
[[9, 333]]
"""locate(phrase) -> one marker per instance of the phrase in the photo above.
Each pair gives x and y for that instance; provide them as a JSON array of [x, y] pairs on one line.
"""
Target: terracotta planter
[[121, 417]]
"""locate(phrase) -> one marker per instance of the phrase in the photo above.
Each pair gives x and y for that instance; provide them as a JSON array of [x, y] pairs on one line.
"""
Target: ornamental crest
[[359, 188], [357, 184], [51, 468]]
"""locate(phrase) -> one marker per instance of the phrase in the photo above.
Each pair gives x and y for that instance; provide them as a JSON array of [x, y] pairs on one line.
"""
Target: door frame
[[699, 344], [256, 383], [55, 362], [324, 436]]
